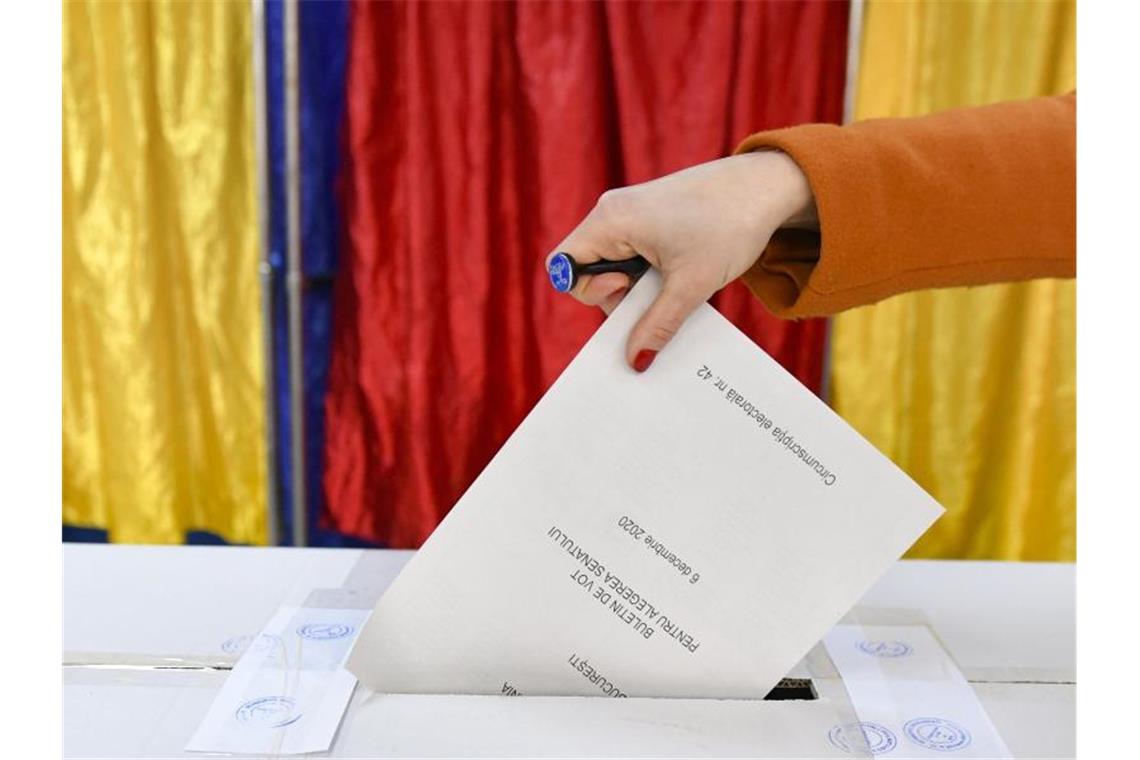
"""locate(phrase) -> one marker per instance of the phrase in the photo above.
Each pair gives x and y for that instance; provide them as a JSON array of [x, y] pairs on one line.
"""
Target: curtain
[[163, 407], [971, 391], [477, 136]]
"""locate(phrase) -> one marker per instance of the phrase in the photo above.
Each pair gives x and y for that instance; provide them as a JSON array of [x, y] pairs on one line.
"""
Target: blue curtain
[[323, 38]]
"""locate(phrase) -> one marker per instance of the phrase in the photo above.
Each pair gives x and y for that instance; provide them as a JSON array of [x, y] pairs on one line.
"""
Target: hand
[[702, 228]]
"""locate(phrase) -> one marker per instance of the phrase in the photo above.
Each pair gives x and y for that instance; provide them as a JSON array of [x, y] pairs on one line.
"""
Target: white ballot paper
[[687, 532]]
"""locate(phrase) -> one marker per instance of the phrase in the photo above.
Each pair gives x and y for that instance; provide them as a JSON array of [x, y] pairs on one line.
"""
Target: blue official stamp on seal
[[885, 648], [325, 631], [937, 734], [846, 736], [236, 644], [262, 643], [268, 712]]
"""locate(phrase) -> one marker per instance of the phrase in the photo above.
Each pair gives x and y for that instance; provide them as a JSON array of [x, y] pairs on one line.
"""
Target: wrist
[[788, 200]]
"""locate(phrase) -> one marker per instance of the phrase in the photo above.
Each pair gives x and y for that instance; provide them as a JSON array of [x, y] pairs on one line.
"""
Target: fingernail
[[643, 359]]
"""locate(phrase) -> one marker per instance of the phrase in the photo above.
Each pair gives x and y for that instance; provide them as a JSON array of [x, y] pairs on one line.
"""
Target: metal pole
[[264, 268], [294, 277], [854, 50]]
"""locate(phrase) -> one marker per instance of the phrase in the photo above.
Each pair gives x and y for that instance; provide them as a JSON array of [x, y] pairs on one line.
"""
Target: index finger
[[594, 240]]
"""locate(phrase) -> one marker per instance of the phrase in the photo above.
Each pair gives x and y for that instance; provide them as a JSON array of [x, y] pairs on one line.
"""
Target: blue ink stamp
[[265, 642], [268, 712], [236, 644], [937, 734], [885, 648], [878, 739], [269, 646], [325, 631]]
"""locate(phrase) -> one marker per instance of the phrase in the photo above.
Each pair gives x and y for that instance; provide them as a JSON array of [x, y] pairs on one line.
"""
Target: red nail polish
[[643, 359]]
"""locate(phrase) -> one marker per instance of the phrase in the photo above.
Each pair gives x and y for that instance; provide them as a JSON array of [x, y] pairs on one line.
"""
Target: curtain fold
[[163, 408], [478, 134], [972, 391]]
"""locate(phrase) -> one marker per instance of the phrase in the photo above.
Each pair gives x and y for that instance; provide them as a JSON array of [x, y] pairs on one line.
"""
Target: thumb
[[678, 298]]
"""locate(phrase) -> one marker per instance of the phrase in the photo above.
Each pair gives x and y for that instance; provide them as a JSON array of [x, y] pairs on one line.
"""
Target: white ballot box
[[1007, 626]]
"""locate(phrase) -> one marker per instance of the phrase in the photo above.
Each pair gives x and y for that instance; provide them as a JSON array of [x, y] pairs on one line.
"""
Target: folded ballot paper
[[687, 532]]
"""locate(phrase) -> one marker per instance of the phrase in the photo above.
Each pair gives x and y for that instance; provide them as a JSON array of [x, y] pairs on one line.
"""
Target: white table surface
[[1009, 626]]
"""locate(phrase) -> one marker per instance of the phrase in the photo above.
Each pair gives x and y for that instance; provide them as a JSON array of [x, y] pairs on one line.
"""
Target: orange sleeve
[[964, 197]]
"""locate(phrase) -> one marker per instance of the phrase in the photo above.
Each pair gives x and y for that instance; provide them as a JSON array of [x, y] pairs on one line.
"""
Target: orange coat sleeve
[[964, 197]]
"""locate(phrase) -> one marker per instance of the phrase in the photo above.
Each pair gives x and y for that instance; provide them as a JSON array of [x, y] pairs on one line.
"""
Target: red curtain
[[478, 135]]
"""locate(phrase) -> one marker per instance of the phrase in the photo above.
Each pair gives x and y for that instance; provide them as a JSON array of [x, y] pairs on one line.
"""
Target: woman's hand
[[702, 228]]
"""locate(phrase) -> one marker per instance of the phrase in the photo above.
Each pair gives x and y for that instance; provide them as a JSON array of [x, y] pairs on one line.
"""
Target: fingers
[[611, 301], [598, 237], [678, 298], [597, 289], [603, 234]]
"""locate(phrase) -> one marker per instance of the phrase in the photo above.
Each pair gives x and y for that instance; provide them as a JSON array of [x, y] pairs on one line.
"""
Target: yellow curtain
[[971, 391], [163, 411]]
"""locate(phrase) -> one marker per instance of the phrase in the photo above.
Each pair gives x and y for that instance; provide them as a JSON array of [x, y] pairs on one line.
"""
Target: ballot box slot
[[792, 689]]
